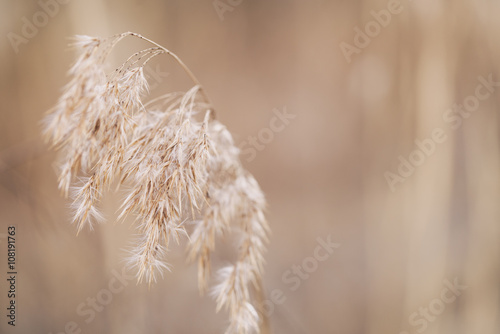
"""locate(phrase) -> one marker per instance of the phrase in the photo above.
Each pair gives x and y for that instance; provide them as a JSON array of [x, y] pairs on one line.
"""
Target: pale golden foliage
[[178, 162]]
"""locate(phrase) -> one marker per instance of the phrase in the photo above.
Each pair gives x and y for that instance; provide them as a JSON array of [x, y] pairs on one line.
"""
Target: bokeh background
[[324, 174]]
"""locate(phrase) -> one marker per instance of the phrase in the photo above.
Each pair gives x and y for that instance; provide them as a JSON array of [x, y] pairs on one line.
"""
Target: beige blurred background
[[323, 174]]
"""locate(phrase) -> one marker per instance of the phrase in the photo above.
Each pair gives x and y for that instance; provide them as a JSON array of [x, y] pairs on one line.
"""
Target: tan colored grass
[[178, 162]]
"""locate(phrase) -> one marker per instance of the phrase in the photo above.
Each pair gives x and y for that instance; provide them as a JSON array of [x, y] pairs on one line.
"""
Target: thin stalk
[[179, 61], [265, 326]]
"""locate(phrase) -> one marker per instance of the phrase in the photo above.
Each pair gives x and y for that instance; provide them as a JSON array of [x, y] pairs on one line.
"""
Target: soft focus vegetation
[[324, 173]]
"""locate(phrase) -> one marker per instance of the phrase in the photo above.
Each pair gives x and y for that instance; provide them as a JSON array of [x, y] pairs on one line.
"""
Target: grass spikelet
[[177, 163]]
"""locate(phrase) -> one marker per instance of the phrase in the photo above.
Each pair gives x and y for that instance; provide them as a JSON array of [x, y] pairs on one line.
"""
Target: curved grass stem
[[179, 61]]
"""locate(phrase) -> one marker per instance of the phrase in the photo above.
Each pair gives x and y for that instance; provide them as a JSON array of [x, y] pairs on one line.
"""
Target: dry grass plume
[[178, 162]]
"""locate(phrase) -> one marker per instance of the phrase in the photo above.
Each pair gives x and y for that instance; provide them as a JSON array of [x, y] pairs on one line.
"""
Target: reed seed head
[[177, 162]]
